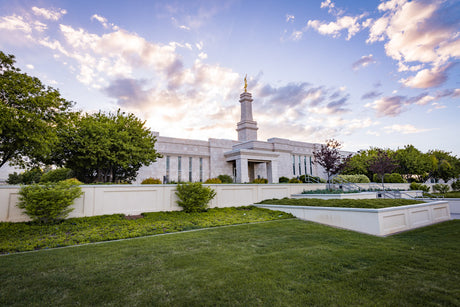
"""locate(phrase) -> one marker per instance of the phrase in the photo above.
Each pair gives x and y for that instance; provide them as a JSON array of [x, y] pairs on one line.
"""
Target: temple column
[[272, 171], [242, 173]]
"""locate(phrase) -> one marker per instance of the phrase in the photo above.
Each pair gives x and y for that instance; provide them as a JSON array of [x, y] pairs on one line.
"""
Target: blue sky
[[368, 73]]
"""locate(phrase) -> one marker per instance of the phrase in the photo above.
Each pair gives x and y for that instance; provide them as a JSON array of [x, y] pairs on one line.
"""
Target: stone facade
[[244, 160]]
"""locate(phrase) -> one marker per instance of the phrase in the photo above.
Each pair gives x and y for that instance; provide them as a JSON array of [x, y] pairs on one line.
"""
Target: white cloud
[[364, 61], [404, 129], [296, 35], [290, 18], [15, 22], [327, 3], [426, 78], [348, 23], [30, 66], [50, 14]]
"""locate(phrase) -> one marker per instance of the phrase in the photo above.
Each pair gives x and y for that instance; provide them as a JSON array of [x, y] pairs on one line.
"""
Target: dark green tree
[[29, 114], [106, 147], [360, 162], [444, 165]]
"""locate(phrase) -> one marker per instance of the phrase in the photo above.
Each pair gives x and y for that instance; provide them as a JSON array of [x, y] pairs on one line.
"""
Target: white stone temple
[[244, 159]]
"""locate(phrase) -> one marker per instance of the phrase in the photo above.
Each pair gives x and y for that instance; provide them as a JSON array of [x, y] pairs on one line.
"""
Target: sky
[[367, 73]]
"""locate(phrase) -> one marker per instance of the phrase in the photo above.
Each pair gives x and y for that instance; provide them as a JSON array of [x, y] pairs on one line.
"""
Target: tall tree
[[106, 147], [360, 162], [29, 113], [382, 164], [444, 165], [329, 157]]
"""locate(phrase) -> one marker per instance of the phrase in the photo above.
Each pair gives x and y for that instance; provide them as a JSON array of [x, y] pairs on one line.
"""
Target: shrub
[[419, 186], [441, 188], [455, 185], [225, 178], [294, 180], [260, 180], [151, 181], [213, 181], [194, 197], [283, 179], [57, 175], [49, 202], [72, 181], [351, 178], [396, 178], [27, 177]]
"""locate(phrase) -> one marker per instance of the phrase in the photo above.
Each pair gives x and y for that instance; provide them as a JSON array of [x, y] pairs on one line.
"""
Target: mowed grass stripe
[[283, 263]]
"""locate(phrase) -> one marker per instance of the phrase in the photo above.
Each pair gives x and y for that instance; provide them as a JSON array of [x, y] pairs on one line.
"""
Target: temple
[[244, 159]]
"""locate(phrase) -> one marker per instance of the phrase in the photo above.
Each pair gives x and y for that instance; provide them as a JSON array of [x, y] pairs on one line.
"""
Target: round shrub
[[419, 186], [455, 185], [49, 202], [283, 179], [57, 175], [396, 178], [294, 180], [72, 181], [151, 181], [27, 177], [194, 197], [351, 178], [225, 178], [213, 181], [441, 188], [260, 180]]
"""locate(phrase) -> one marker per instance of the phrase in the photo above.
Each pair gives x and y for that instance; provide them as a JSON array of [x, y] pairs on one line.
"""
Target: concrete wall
[[135, 199]]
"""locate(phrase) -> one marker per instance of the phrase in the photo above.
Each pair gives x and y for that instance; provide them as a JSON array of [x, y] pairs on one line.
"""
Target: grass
[[452, 194], [344, 203], [16, 237], [326, 191], [280, 263]]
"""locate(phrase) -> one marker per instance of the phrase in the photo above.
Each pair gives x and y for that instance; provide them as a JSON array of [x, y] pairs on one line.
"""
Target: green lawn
[[343, 203], [17, 237], [452, 194], [278, 263]]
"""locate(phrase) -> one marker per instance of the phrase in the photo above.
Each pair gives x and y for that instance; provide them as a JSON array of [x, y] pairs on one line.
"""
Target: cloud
[[363, 62], [327, 3], [296, 35], [427, 78], [371, 95], [30, 66], [50, 14], [348, 23], [394, 105], [290, 18], [404, 129], [104, 22], [15, 22]]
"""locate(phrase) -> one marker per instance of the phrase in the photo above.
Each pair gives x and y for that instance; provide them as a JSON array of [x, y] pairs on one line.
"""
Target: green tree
[[29, 113], [106, 147], [413, 164], [360, 162], [444, 165]]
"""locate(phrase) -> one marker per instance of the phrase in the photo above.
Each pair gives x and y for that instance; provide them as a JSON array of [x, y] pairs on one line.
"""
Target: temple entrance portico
[[252, 164]]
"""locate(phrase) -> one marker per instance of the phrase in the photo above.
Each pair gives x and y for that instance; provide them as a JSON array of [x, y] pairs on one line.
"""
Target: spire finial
[[246, 83]]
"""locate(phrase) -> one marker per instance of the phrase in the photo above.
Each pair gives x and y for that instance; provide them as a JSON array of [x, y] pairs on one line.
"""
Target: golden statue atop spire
[[246, 83]]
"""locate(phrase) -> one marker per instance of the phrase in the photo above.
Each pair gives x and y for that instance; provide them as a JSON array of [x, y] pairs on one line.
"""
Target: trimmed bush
[[455, 185], [440, 188], [396, 178], [194, 197], [213, 181], [260, 180], [294, 180], [57, 175], [151, 181], [351, 178], [49, 202], [225, 178], [283, 179], [28, 177], [419, 186], [308, 178]]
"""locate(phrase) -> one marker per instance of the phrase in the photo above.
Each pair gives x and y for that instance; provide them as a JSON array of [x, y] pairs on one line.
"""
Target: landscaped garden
[[342, 203], [26, 236], [278, 263]]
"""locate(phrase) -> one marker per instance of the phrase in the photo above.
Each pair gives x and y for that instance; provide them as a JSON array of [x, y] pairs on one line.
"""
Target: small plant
[[72, 181], [351, 178], [455, 185], [396, 178], [283, 179], [57, 175], [419, 186], [194, 197], [49, 202], [294, 180], [441, 188], [151, 181], [225, 178], [260, 180], [213, 181]]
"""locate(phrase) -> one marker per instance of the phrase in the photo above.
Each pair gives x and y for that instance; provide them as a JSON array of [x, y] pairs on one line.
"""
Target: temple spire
[[247, 127]]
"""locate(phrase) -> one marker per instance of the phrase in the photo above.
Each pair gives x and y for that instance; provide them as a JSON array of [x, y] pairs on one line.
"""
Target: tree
[[444, 165], [106, 147], [359, 163], [413, 163], [382, 164], [330, 158], [29, 113]]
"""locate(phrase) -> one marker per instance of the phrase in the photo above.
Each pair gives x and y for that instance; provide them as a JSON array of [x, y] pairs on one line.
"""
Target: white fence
[[136, 199]]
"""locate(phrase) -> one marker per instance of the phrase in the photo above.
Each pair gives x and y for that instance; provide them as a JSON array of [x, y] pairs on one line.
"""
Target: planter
[[378, 222]]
